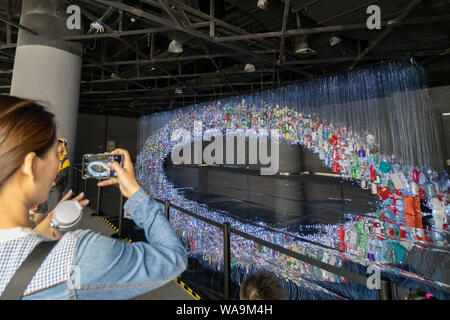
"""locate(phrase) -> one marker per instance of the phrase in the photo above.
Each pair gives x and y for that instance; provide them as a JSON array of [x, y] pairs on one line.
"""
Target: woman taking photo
[[60, 183], [83, 264]]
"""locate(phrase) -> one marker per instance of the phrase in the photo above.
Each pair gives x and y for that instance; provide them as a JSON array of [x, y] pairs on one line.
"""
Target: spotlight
[[334, 41], [249, 68], [262, 4], [175, 47], [179, 91]]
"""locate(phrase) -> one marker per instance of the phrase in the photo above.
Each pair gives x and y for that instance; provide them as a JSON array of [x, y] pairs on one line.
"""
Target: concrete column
[[47, 68]]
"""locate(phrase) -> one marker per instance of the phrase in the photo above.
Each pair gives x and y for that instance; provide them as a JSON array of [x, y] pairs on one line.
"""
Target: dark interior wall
[[124, 132], [292, 158], [91, 134], [440, 97]]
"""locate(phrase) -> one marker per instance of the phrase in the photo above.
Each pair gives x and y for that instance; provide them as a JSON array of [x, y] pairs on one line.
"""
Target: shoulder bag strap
[[23, 276]]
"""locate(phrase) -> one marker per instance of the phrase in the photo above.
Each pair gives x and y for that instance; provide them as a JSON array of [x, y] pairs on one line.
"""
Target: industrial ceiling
[[233, 47]]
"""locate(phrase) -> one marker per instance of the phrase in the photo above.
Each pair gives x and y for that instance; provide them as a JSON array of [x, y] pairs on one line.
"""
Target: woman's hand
[[44, 227], [125, 175]]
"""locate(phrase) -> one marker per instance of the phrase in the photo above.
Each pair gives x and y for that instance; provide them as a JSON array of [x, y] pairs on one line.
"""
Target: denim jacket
[[105, 268]]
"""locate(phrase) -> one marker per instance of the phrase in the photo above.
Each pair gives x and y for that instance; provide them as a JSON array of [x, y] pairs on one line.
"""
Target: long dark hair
[[25, 127]]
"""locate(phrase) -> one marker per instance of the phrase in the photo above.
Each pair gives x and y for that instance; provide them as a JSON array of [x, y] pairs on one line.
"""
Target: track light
[[175, 47], [334, 41], [249, 68], [262, 4]]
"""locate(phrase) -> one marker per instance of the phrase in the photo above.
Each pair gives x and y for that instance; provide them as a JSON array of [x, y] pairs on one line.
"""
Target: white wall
[[50, 76]]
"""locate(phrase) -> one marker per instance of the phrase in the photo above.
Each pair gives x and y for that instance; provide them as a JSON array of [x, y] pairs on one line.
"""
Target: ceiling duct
[[301, 42]]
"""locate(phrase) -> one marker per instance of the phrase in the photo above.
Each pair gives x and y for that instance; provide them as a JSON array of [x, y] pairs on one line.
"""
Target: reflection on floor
[[282, 201], [291, 202]]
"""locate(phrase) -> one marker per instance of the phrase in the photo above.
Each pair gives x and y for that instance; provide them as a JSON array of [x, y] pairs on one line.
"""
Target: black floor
[[281, 201]]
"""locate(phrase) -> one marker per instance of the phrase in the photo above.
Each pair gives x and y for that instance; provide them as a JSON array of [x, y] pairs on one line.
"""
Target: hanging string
[[388, 102]]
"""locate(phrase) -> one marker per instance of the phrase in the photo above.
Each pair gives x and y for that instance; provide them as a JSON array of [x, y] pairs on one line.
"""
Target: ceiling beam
[[17, 25], [8, 46], [179, 58], [104, 102], [401, 55], [115, 34], [330, 29], [187, 29], [173, 76], [385, 32], [138, 53], [283, 27], [363, 6], [230, 27], [8, 17], [206, 85]]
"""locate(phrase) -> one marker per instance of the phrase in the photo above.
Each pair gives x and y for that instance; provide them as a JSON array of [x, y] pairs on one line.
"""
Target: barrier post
[[226, 261], [385, 292], [75, 180], [167, 209], [85, 187], [99, 199], [120, 215]]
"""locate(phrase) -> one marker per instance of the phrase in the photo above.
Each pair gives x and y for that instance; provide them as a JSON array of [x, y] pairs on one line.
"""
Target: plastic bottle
[[438, 213], [414, 189], [422, 178], [385, 166], [325, 134], [347, 167], [370, 140], [430, 190], [444, 183]]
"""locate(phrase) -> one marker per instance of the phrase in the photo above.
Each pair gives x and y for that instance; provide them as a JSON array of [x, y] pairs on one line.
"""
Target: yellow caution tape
[[189, 290]]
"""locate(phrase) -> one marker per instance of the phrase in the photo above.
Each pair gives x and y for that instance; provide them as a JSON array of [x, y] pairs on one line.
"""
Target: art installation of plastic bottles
[[357, 153]]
